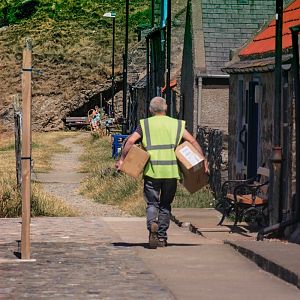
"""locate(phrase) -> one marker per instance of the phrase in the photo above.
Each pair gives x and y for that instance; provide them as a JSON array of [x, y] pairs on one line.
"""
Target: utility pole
[[26, 150], [168, 88], [113, 71], [113, 16], [276, 159]]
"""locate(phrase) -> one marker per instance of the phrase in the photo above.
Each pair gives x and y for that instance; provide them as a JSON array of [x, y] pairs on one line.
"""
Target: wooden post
[[26, 150], [18, 142]]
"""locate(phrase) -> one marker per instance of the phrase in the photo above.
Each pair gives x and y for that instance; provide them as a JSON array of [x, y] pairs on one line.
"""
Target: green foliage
[[201, 199], [104, 184], [12, 12], [72, 31]]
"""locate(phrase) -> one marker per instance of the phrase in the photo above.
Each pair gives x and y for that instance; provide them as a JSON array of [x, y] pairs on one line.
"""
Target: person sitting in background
[[95, 120]]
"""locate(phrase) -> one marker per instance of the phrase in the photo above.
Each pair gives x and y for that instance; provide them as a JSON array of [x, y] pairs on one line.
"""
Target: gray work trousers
[[159, 194]]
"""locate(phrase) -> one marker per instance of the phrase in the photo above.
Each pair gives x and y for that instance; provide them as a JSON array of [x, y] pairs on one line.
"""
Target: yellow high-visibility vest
[[161, 135]]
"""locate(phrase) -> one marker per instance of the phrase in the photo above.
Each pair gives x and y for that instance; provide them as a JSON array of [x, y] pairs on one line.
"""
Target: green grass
[[73, 31], [201, 199], [104, 184]]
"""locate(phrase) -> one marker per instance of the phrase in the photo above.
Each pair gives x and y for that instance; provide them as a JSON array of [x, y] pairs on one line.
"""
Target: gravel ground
[[63, 181]]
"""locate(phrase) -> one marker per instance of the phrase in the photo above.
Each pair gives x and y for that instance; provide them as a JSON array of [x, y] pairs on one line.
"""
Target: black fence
[[211, 141]]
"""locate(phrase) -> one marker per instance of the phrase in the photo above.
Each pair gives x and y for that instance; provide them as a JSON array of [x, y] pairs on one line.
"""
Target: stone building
[[213, 30], [251, 104], [143, 86]]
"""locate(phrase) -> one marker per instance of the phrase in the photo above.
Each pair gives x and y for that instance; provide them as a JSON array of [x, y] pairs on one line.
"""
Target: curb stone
[[187, 225], [260, 260], [267, 264]]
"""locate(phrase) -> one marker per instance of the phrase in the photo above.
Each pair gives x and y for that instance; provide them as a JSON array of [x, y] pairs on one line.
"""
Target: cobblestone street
[[75, 259]]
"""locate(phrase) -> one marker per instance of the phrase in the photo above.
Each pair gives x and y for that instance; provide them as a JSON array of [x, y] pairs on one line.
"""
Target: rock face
[[58, 86], [72, 56]]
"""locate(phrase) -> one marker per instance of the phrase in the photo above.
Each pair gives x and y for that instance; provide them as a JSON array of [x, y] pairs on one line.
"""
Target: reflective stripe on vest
[[162, 163], [161, 147]]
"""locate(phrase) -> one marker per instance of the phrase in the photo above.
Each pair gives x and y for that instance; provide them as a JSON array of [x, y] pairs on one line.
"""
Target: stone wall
[[215, 115], [265, 137]]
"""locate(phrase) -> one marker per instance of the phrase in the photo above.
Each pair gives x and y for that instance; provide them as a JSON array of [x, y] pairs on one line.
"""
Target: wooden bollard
[[26, 150]]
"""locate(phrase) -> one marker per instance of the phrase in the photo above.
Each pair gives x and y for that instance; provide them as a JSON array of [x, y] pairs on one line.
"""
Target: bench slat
[[263, 171]]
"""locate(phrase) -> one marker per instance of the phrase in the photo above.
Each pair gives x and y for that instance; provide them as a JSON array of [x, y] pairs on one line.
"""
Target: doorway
[[247, 129]]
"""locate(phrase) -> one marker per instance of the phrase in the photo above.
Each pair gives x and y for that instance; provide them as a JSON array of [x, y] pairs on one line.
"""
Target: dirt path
[[63, 181]]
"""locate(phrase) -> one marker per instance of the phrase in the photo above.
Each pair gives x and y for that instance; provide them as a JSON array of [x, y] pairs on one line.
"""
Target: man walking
[[160, 136]]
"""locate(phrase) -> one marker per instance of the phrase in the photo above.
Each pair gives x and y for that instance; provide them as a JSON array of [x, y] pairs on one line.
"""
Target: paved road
[[75, 258], [108, 258]]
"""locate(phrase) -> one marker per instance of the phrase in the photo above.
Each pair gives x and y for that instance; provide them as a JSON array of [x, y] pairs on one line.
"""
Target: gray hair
[[158, 105]]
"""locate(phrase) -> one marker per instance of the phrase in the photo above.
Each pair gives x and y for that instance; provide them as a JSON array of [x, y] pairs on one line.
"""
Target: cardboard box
[[135, 161], [191, 164]]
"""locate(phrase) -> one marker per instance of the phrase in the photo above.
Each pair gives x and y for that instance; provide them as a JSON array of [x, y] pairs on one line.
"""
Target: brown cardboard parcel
[[135, 161], [191, 164]]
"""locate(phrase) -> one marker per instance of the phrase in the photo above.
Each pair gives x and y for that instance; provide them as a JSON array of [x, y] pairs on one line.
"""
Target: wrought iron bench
[[246, 199]]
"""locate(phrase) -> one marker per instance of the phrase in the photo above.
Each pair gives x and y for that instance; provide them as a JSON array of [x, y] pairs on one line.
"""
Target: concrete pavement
[[280, 258], [199, 267]]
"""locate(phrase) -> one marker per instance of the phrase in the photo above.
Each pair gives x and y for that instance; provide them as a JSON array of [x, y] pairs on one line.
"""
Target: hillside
[[71, 53]]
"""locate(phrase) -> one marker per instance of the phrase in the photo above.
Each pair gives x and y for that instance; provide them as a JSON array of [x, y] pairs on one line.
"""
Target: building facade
[[214, 30]]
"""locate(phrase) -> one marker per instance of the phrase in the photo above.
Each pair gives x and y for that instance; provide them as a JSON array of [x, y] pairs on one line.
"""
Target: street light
[[125, 69], [112, 15]]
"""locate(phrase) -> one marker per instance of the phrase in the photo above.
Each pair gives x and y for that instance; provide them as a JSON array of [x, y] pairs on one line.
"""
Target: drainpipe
[[276, 158], [286, 148], [199, 100]]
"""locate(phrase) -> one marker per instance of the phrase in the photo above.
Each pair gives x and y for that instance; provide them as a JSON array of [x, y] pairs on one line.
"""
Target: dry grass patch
[[44, 145]]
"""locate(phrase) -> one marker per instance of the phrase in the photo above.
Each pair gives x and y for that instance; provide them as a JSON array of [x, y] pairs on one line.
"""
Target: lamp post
[[125, 71], [113, 16]]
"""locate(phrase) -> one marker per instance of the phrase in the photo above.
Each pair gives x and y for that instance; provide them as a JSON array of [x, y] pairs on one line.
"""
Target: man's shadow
[[146, 245]]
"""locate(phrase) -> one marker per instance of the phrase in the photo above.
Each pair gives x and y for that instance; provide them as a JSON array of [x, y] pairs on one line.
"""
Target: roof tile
[[264, 41]]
